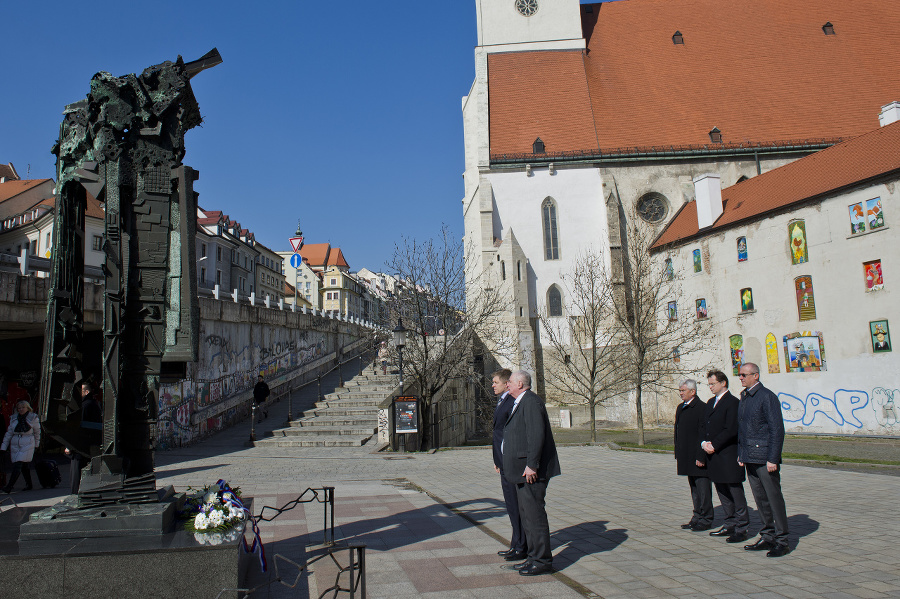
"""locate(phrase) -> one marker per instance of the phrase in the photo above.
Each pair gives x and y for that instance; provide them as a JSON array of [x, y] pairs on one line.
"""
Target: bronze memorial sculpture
[[124, 145]]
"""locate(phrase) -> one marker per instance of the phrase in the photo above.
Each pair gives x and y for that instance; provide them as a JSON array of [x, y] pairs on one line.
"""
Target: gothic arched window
[[551, 233], [554, 301]]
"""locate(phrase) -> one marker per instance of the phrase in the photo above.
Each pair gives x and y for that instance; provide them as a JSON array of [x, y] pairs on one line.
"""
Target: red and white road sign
[[296, 243]]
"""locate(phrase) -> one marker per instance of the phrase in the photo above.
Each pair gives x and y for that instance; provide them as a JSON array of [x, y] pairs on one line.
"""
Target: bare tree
[[581, 352], [652, 319], [432, 296]]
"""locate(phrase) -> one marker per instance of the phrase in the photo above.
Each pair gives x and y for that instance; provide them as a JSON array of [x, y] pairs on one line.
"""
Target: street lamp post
[[399, 342]]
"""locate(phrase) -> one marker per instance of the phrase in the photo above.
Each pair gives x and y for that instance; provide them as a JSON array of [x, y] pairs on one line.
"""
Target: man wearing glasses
[[760, 439]]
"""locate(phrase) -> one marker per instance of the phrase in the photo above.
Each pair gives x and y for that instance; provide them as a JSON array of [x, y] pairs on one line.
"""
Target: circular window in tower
[[653, 207], [526, 8]]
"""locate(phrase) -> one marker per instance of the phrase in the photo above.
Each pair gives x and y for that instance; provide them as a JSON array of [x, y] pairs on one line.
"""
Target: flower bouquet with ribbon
[[214, 509]]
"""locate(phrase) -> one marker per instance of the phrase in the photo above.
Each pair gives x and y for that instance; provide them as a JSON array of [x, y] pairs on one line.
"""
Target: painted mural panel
[[701, 308], [737, 352], [772, 354], [806, 303], [672, 311], [698, 261], [873, 274], [804, 352], [857, 218], [881, 336], [747, 300], [670, 270], [797, 234], [742, 249], [874, 215]]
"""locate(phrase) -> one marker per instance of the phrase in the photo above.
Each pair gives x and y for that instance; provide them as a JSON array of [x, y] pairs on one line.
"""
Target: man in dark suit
[[760, 440], [499, 382], [690, 457], [720, 444], [529, 462]]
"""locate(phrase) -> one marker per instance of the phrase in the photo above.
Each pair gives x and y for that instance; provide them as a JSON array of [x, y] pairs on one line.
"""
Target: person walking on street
[[22, 437], [384, 354], [760, 440], [690, 457], [261, 394], [529, 462], [720, 444], [500, 382]]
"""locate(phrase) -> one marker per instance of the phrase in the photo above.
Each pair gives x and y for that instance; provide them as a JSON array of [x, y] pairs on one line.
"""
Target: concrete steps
[[347, 417]]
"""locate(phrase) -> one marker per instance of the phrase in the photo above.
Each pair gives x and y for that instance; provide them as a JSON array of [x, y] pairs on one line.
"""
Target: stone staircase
[[348, 417]]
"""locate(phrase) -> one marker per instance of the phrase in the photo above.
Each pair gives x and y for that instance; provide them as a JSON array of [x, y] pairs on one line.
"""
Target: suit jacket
[[688, 429], [528, 441], [721, 429], [501, 414], [761, 427]]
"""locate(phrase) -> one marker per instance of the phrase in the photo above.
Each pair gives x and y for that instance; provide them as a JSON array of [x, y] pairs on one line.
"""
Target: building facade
[[269, 274]]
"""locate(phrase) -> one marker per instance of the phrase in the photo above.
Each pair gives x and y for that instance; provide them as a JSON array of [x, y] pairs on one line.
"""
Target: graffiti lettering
[[884, 401], [215, 340], [841, 409]]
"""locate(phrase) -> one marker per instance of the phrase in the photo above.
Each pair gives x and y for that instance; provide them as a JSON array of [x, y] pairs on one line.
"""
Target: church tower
[[516, 25]]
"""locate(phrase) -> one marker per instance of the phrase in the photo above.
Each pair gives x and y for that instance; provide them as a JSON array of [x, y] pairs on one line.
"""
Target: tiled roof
[[336, 258], [11, 189], [8, 171], [316, 253], [761, 72], [18, 196], [846, 164]]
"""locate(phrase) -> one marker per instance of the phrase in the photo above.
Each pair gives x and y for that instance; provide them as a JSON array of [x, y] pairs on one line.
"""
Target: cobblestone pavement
[[432, 524]]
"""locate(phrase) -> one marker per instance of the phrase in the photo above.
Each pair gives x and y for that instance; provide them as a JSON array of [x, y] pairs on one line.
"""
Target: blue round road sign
[[296, 261]]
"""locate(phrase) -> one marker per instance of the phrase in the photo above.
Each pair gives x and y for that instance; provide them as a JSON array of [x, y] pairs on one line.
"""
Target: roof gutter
[[661, 153]]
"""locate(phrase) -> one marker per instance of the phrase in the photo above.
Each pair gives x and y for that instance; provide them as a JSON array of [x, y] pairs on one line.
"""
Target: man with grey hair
[[690, 457], [760, 440], [529, 461]]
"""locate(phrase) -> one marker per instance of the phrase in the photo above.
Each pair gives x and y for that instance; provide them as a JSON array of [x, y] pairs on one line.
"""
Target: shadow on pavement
[[163, 474], [495, 509], [574, 542], [801, 525]]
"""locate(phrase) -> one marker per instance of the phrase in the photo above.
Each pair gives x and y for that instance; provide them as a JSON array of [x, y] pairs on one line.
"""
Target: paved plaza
[[432, 524]]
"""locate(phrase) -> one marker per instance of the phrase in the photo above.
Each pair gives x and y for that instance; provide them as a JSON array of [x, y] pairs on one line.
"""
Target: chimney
[[889, 114], [708, 193]]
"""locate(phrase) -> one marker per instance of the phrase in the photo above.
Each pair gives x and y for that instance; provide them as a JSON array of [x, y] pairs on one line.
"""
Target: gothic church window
[[526, 8], [551, 234], [554, 301], [653, 207]]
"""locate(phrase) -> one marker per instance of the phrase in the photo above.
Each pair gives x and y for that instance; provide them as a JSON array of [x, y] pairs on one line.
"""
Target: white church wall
[[500, 23]]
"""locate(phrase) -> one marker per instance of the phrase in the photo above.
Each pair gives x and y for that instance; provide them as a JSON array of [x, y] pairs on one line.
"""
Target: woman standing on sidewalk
[[22, 437]]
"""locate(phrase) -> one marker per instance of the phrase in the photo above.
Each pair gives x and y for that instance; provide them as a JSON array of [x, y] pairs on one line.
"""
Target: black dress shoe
[[688, 525], [737, 537], [505, 552], [516, 556], [535, 570], [722, 532], [760, 545], [525, 564], [777, 551]]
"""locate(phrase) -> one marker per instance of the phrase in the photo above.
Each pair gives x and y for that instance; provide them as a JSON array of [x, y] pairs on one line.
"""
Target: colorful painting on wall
[[701, 308], [857, 218], [772, 354], [806, 303], [746, 300], [737, 352], [742, 249], [881, 336], [874, 278], [676, 355], [698, 262], [670, 271], [673, 311], [804, 352], [874, 214], [797, 234]]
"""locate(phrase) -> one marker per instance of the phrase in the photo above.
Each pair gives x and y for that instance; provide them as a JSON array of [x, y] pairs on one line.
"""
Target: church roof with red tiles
[[818, 175], [760, 72]]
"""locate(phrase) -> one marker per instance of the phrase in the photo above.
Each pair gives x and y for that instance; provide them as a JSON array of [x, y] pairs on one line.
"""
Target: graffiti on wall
[[846, 407]]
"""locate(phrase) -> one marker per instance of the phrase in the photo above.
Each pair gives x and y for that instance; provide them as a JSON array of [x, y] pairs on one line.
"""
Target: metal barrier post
[[290, 404], [328, 530], [319, 382], [341, 369], [253, 421]]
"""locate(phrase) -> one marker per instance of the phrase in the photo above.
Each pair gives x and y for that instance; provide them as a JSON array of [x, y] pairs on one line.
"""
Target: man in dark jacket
[[529, 462], [260, 394], [690, 457], [760, 439], [499, 381], [720, 444]]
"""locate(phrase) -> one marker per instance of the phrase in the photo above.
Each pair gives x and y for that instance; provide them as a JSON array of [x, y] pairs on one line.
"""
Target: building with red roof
[[794, 268], [582, 115]]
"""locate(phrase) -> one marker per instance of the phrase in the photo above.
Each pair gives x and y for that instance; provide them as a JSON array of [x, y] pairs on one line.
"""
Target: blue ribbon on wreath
[[257, 546]]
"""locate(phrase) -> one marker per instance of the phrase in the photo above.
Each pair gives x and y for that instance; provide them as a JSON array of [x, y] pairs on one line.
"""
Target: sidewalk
[[433, 523]]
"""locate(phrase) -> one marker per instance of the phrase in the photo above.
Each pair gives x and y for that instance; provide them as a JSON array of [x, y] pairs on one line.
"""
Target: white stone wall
[[859, 388], [499, 23]]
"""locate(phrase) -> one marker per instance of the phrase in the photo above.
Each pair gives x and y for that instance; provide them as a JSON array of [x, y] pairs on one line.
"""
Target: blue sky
[[345, 115]]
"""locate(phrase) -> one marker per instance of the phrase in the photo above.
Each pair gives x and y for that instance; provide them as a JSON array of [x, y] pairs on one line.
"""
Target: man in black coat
[[499, 381], [760, 440], [260, 394], [690, 457], [529, 462], [720, 444]]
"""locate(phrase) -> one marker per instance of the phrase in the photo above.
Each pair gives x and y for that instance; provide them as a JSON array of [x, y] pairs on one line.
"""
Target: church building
[[582, 115]]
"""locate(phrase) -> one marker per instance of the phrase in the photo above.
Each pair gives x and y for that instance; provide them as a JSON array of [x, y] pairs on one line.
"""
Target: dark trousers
[[77, 463], [734, 503], [766, 488], [701, 495], [534, 521], [25, 469], [517, 541]]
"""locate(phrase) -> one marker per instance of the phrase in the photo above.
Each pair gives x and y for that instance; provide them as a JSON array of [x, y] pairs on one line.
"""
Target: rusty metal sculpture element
[[124, 145]]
